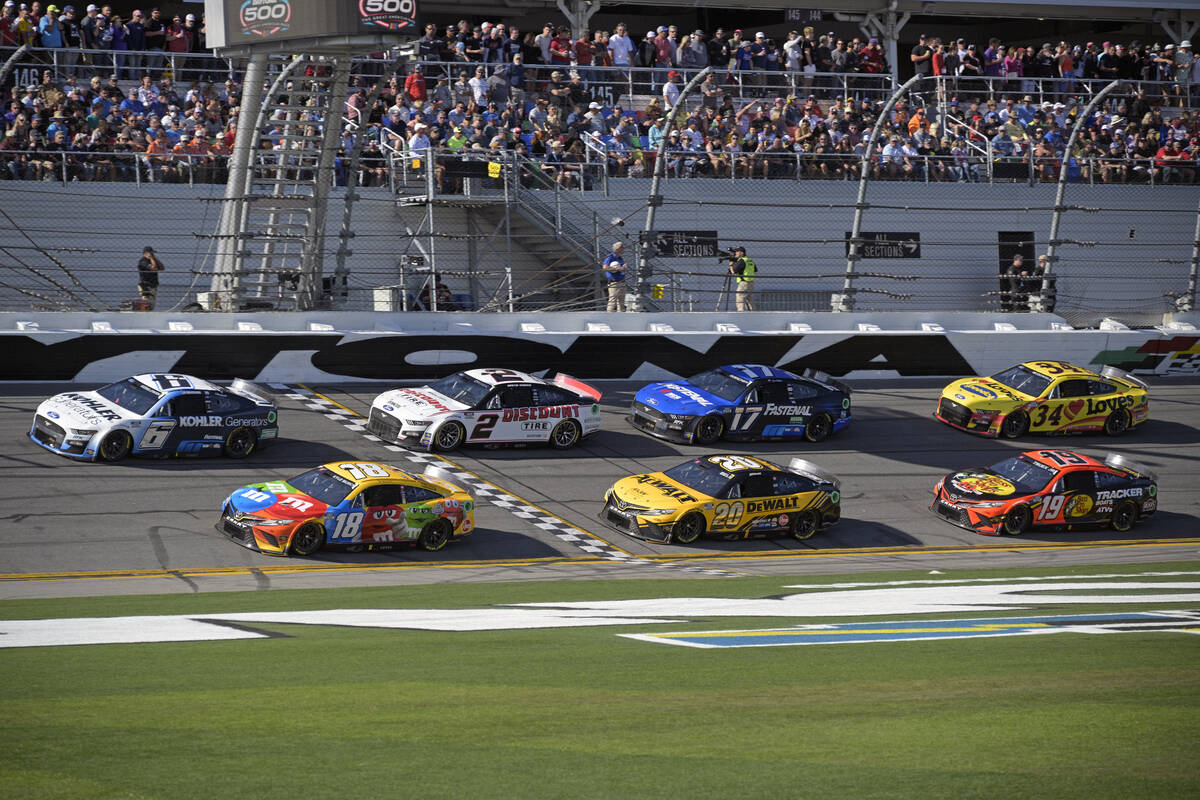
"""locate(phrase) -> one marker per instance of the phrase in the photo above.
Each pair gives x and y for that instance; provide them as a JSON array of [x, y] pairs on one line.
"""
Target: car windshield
[[701, 475], [722, 384], [462, 388], [1026, 474], [323, 485], [129, 394], [1023, 379]]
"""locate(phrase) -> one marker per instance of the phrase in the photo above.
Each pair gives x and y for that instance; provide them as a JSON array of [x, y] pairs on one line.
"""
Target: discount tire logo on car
[[391, 14]]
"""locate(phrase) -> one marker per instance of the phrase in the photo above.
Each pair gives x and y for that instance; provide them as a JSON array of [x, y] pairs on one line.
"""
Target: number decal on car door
[[483, 427], [156, 435], [347, 526], [728, 515], [1051, 507]]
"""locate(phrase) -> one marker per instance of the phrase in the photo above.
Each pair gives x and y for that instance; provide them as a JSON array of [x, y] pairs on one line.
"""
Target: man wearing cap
[[694, 53], [50, 30], [1185, 60], [671, 90], [744, 270], [148, 267], [922, 59], [614, 272]]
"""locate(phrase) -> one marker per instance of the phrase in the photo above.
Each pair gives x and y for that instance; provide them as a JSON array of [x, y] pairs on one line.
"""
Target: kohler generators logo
[[391, 14], [265, 17]]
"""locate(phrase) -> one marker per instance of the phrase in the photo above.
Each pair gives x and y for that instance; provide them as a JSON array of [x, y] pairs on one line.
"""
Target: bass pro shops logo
[[265, 17], [394, 15]]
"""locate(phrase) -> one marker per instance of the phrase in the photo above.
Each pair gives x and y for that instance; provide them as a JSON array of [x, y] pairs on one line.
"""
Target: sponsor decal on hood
[[421, 402], [84, 408]]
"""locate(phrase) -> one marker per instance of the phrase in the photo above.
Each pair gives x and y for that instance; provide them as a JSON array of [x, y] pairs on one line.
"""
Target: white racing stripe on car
[[484, 492]]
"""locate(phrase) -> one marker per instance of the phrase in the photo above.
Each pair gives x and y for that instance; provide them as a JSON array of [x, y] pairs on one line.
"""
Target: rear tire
[[1014, 425], [818, 428], [1017, 521], [115, 446], [308, 539], [449, 437], [435, 536], [1117, 422], [805, 525], [565, 435], [1123, 517], [688, 529], [240, 443], [709, 429]]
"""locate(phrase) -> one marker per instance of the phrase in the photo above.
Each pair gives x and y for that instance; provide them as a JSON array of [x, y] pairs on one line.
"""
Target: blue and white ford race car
[[743, 402], [159, 415], [487, 406]]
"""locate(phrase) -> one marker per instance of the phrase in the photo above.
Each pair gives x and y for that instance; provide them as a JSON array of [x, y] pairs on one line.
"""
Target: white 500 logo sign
[[393, 14], [265, 17]]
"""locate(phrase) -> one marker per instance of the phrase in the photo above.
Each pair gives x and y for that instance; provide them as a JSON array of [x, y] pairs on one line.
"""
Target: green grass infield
[[321, 711]]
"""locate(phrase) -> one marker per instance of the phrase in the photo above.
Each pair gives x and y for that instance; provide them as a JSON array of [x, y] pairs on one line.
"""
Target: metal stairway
[[278, 221]]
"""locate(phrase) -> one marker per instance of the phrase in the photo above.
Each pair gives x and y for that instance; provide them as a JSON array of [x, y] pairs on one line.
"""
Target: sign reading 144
[[391, 14]]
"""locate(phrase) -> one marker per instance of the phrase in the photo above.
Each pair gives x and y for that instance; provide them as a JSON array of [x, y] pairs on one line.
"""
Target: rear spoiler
[[250, 389], [575, 385], [1122, 375], [823, 377]]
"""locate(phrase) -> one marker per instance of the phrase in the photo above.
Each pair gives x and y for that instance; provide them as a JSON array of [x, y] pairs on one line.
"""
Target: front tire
[[435, 536], [240, 443], [115, 446], [688, 529], [1117, 422], [805, 525], [565, 435], [1014, 425], [1123, 517], [308, 539], [1017, 521], [818, 428], [709, 429], [449, 437]]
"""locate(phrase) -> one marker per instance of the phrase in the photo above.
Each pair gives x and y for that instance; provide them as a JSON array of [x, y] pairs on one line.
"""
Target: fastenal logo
[[265, 17], [391, 14]]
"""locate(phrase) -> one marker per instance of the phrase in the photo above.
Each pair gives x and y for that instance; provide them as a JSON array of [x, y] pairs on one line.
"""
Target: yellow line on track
[[284, 569]]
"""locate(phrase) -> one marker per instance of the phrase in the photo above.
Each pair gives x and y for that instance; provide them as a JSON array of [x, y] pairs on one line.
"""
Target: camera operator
[[743, 269]]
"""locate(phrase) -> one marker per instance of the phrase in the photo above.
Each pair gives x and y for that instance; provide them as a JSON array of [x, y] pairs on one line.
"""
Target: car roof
[[178, 382], [760, 463], [487, 376], [752, 372], [392, 473], [1090, 463], [1062, 369]]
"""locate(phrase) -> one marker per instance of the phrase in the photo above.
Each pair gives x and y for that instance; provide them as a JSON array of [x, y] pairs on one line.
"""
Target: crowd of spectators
[[769, 109]]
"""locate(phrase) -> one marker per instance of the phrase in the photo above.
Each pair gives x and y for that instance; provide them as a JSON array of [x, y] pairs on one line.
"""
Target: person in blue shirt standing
[[614, 271]]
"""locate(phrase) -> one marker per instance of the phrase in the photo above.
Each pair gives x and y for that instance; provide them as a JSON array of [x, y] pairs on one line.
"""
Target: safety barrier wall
[[341, 347]]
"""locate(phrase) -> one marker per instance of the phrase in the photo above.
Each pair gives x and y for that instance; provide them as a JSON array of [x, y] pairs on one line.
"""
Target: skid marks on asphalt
[[481, 490]]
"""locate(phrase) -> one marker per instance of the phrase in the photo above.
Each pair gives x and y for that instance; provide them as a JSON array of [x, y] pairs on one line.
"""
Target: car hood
[[83, 410], [984, 392], [981, 484], [655, 490], [418, 403], [275, 501], [679, 397]]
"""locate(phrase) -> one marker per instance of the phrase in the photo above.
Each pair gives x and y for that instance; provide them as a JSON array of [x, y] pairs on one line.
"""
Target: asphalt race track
[[141, 526]]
